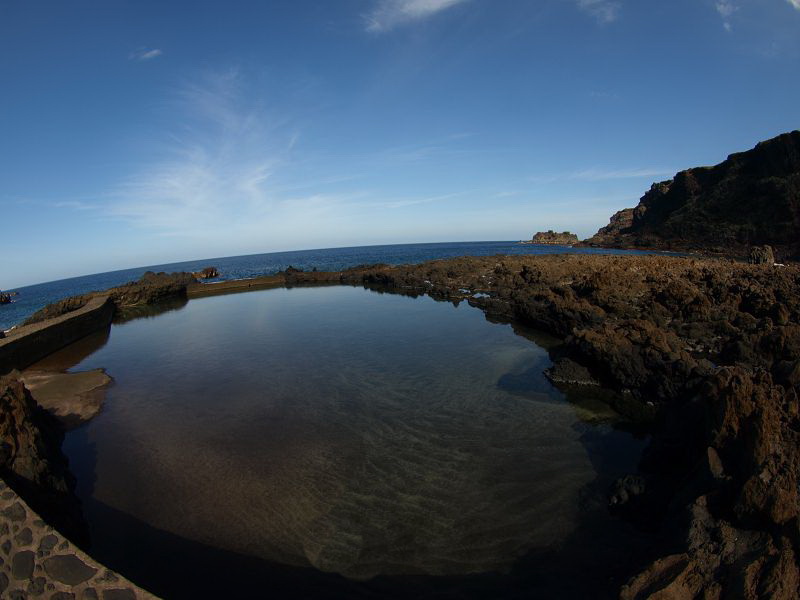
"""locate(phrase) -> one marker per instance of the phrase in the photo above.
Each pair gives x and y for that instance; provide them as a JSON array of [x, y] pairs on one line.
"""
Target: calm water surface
[[332, 430]]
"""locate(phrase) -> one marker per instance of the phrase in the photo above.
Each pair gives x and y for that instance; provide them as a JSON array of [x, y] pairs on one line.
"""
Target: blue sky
[[146, 132]]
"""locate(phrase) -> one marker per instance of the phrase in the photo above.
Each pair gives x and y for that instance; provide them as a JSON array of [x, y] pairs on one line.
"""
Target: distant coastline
[[37, 296]]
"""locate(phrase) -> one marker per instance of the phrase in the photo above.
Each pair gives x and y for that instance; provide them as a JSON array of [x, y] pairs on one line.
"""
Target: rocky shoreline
[[704, 352]]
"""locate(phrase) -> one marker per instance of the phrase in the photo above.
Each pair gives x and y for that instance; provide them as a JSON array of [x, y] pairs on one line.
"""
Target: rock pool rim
[[549, 304]]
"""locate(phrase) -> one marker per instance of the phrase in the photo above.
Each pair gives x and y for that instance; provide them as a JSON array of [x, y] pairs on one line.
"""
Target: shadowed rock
[[761, 255]]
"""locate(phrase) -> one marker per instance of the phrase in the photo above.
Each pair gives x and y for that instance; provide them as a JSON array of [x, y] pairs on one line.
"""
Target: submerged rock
[[73, 398], [625, 489], [565, 370]]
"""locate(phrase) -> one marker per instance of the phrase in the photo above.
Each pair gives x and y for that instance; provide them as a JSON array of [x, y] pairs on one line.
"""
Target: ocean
[[32, 298]]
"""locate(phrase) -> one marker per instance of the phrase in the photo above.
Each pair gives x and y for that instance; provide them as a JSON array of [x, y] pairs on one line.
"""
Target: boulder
[[207, 273], [761, 255]]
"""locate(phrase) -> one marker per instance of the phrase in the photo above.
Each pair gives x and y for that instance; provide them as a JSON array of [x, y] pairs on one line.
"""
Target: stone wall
[[38, 562], [25, 345]]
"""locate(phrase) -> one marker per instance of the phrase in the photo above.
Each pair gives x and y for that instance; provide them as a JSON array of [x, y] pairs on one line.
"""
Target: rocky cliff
[[752, 198]]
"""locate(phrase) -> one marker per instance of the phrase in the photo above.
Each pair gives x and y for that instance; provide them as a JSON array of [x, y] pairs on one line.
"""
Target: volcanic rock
[[31, 460], [761, 255], [752, 198], [207, 273], [567, 371], [29, 438], [552, 238], [152, 288], [741, 533]]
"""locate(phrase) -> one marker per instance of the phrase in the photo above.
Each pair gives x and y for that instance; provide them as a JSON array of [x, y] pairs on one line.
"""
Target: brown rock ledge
[[73, 398]]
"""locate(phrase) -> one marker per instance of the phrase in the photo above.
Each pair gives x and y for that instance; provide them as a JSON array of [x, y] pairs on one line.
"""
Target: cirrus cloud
[[144, 53], [389, 14], [605, 11]]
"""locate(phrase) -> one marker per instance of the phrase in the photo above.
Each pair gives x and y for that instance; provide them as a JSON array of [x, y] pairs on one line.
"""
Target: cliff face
[[752, 198]]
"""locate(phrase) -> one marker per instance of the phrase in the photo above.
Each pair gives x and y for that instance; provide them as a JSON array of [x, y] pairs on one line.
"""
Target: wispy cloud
[[605, 11], [142, 54], [726, 8], [76, 205], [601, 95], [414, 201], [605, 174], [388, 14], [596, 174], [795, 3], [213, 170]]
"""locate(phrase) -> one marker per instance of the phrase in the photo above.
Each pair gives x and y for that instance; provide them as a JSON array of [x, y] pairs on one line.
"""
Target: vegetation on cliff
[[752, 198]]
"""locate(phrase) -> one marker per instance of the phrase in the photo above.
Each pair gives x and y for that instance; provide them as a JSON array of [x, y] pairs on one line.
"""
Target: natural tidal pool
[[335, 440]]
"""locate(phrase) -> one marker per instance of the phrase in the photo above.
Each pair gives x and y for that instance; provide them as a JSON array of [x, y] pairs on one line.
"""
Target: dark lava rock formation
[[31, 460], [761, 255], [152, 288], [752, 198], [28, 438], [551, 237], [207, 273]]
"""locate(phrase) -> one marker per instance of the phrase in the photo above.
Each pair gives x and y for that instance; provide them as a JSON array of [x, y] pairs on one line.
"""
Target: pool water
[[337, 439]]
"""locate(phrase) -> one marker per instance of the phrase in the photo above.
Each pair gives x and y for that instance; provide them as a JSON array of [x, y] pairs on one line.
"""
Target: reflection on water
[[357, 433]]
